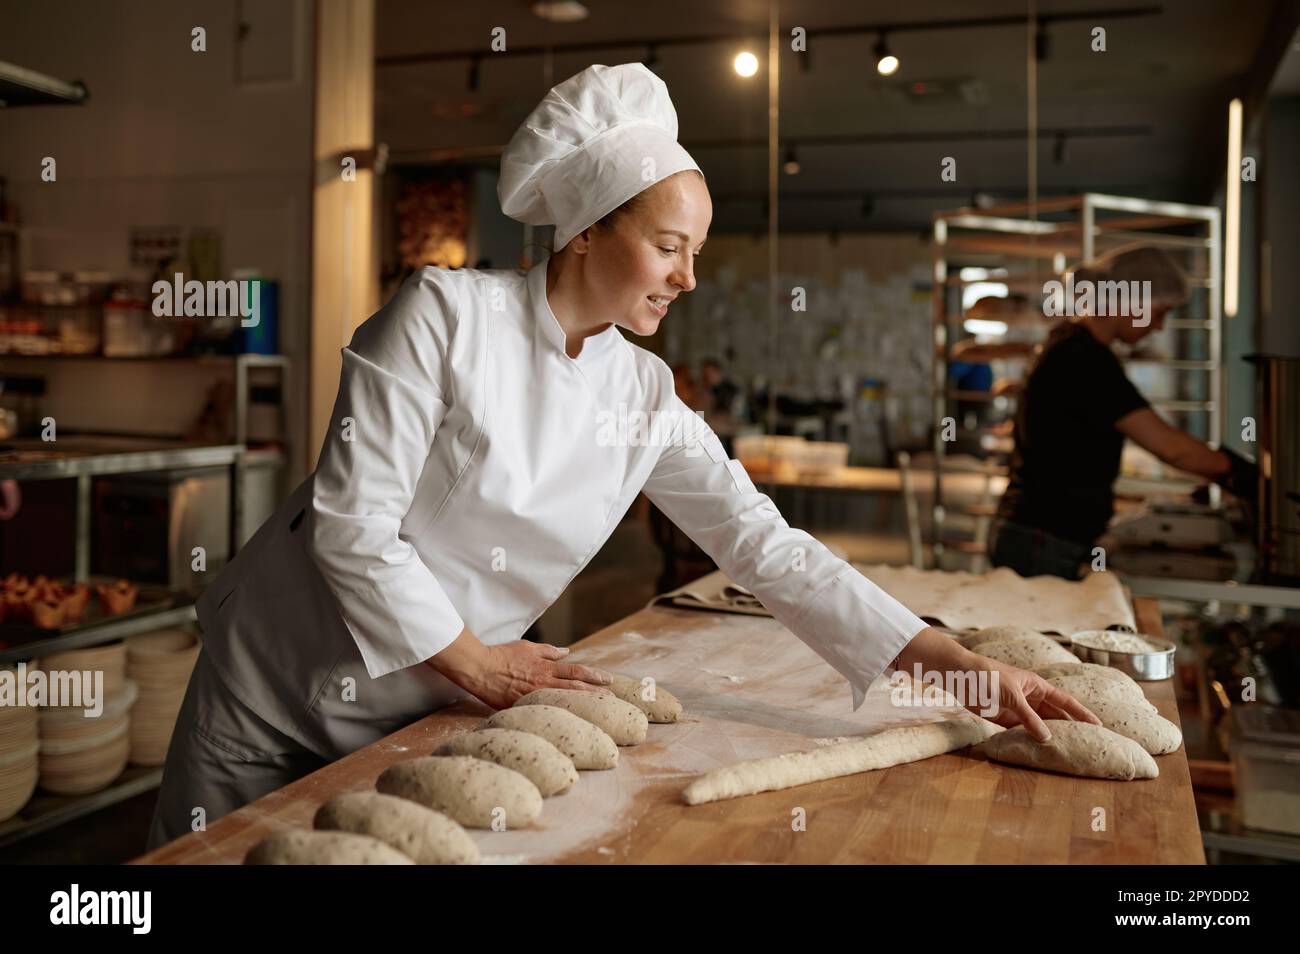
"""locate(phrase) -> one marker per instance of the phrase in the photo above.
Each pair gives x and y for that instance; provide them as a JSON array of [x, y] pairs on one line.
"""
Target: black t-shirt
[[1067, 449]]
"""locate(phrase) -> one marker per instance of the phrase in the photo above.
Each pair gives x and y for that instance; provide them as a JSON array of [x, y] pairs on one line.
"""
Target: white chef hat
[[592, 143]]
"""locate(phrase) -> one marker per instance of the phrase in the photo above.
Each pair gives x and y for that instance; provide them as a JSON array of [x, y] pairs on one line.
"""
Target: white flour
[[1118, 642]]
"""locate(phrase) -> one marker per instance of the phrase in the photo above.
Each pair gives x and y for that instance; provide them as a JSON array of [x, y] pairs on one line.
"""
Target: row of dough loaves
[[494, 777]]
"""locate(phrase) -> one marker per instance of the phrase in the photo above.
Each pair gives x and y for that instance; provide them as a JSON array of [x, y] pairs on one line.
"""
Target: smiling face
[[647, 251]]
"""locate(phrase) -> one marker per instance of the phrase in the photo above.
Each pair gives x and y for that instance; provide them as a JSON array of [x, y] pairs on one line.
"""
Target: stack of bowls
[[109, 658], [19, 745], [159, 663], [83, 753]]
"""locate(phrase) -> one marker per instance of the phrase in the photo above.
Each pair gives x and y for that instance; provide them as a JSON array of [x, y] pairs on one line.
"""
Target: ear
[[581, 243]]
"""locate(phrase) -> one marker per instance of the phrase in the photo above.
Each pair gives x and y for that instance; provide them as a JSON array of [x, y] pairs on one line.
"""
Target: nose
[[683, 276]]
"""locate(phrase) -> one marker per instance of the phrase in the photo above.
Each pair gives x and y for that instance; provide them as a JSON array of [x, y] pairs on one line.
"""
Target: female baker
[[476, 460]]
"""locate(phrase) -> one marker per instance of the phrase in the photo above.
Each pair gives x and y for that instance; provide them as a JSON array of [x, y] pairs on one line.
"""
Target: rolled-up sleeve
[[850, 622], [388, 409]]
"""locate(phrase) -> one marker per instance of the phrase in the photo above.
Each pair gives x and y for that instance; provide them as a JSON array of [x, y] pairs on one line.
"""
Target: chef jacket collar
[[593, 348]]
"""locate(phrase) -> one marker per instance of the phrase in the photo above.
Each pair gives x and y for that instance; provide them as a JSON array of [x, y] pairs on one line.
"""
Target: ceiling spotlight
[[791, 165], [560, 11], [746, 63], [886, 62]]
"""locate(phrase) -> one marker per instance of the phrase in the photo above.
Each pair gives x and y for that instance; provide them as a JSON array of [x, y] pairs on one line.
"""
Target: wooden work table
[[751, 689]]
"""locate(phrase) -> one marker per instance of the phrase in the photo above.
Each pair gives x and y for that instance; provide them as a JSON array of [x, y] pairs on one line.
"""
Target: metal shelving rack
[[45, 811], [1036, 243]]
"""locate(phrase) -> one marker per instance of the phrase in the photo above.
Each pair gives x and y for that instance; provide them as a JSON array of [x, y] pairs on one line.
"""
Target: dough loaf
[[1026, 652], [589, 746], [1076, 748], [423, 835], [622, 721], [464, 788], [1148, 729], [530, 755], [663, 708], [994, 634], [1077, 668], [1088, 688], [324, 848]]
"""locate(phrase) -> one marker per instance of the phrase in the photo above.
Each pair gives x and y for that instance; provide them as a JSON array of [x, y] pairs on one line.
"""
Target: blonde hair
[[1140, 263]]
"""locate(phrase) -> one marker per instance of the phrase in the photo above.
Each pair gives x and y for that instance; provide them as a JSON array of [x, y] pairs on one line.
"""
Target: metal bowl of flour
[[1145, 658]]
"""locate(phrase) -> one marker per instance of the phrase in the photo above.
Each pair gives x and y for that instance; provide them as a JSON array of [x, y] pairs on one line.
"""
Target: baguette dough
[[324, 848], [1076, 748], [624, 722], [663, 708], [530, 755], [1148, 729], [882, 749], [467, 789], [423, 835], [1026, 652], [589, 746]]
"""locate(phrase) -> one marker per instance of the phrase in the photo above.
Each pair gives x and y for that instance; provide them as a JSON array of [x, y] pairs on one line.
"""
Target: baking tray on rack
[[151, 598]]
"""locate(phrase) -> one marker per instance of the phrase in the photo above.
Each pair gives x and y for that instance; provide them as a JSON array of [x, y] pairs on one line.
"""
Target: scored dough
[[1148, 729], [467, 789], [588, 745], [624, 722], [324, 848], [423, 835], [882, 749], [664, 707], [1076, 748], [1026, 652], [530, 755]]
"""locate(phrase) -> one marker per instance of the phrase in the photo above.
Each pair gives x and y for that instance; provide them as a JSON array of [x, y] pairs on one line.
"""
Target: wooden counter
[[750, 689]]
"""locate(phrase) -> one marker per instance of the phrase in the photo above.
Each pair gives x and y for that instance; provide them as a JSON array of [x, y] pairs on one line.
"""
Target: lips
[[658, 304]]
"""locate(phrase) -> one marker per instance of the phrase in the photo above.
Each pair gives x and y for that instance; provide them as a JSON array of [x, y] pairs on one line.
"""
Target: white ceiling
[[1163, 82]]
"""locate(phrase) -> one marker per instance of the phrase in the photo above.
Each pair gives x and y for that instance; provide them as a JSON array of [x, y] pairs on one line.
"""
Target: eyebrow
[[682, 235]]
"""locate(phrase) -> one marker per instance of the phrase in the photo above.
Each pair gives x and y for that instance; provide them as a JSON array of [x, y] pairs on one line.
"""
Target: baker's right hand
[[498, 675]]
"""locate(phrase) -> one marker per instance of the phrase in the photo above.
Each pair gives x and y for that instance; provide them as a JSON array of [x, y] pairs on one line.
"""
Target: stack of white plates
[[19, 745], [80, 753], [160, 663]]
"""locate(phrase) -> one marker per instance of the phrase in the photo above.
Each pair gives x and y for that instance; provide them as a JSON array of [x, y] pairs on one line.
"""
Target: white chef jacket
[[470, 470]]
